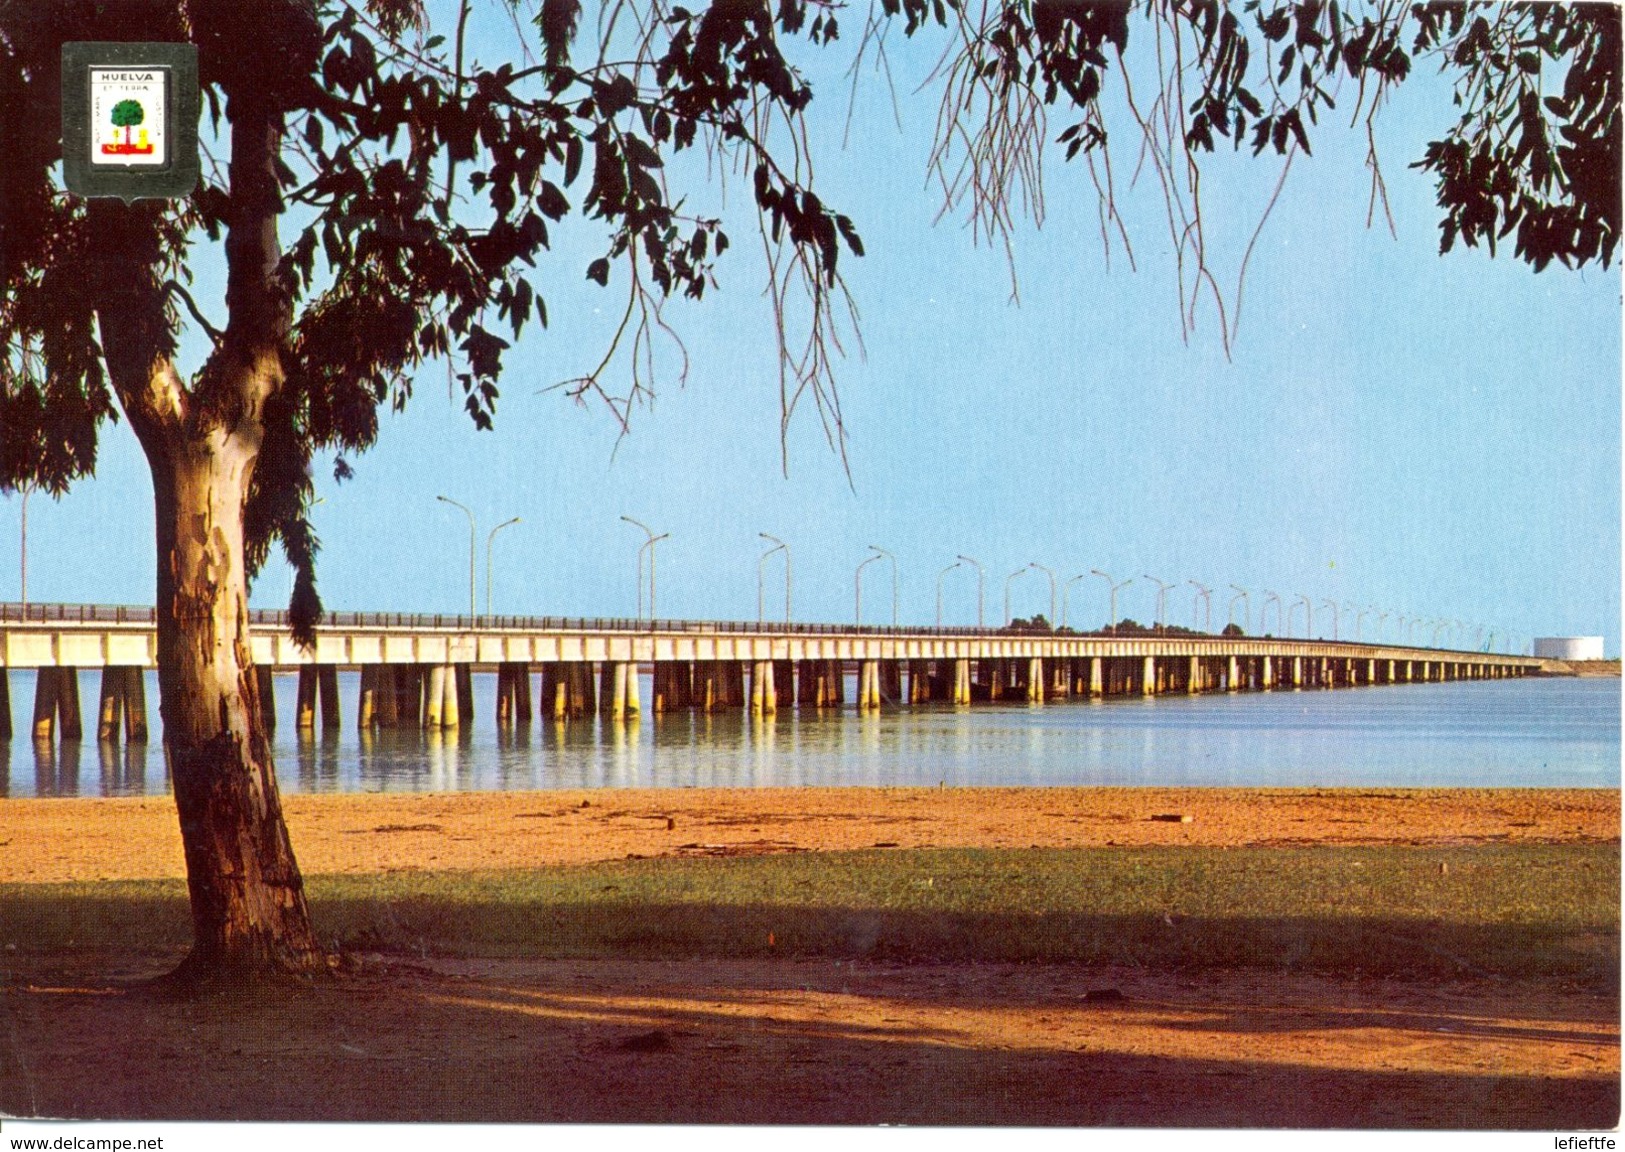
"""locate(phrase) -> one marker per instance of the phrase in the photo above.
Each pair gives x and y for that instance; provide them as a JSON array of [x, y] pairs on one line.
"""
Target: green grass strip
[[1522, 911]]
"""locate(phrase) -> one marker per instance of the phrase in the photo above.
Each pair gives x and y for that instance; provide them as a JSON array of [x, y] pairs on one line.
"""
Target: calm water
[[1547, 733]]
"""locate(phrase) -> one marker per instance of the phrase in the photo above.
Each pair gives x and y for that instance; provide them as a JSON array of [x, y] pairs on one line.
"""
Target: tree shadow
[[773, 1042]]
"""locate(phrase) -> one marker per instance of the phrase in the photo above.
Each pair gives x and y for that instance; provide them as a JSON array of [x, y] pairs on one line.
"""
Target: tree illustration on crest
[[126, 115]]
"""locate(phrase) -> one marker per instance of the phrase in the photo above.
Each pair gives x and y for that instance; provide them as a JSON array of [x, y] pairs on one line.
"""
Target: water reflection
[[1545, 732]]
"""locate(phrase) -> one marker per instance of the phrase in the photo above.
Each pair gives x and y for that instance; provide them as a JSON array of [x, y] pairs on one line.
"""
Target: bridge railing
[[11, 613]]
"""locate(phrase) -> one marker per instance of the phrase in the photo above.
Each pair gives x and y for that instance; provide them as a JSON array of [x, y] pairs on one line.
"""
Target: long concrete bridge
[[416, 670]]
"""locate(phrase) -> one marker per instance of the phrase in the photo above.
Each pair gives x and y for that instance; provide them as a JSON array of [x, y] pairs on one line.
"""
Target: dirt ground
[[788, 1041], [127, 839]]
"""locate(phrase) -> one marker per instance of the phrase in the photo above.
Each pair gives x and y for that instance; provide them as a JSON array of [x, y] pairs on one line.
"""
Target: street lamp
[[1246, 608], [1007, 617], [1162, 595], [1066, 590], [857, 589], [1114, 588], [1051, 576], [778, 545], [1308, 616], [979, 587], [488, 541], [940, 575], [1332, 604], [893, 559], [650, 545], [1263, 612], [1205, 595], [472, 609], [1353, 610]]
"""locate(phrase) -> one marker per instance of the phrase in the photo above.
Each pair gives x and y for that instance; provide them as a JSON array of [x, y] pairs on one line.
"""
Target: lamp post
[[1162, 596], [1051, 576], [979, 587], [1354, 610], [1263, 613], [472, 609], [778, 545], [857, 589], [881, 551], [1332, 604], [1382, 621], [1204, 594], [1007, 580], [1066, 590], [1246, 608], [1114, 588], [650, 545], [940, 575], [488, 541]]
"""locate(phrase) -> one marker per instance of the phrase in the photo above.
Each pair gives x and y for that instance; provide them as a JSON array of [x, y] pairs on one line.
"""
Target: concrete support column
[[961, 681], [327, 681], [305, 699], [891, 681], [1297, 671], [1193, 676], [869, 685], [434, 697], [110, 705], [1097, 676], [366, 706], [1268, 673], [1035, 680], [1148, 677], [1370, 671], [1232, 680]]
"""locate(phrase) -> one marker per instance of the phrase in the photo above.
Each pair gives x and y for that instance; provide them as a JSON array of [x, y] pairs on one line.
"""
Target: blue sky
[[1422, 435]]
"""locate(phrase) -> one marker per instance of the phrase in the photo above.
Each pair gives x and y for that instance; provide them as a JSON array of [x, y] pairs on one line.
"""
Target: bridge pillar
[[305, 699], [761, 688], [110, 705], [366, 705], [1268, 674], [1193, 676], [327, 682], [56, 704], [1232, 679], [1148, 677], [1097, 676], [868, 685], [409, 695], [434, 693], [1035, 680], [891, 681], [961, 681]]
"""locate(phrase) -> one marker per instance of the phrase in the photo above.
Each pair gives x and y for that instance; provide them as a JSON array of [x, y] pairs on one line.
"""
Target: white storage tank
[[1568, 647]]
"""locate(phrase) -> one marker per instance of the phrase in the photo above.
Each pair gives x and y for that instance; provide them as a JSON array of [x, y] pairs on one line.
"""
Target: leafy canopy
[[420, 187]]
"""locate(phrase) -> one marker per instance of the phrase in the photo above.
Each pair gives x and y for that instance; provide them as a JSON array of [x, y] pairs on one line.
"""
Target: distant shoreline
[[1589, 668]]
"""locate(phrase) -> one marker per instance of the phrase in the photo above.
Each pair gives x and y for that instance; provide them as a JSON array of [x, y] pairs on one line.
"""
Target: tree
[[126, 115], [418, 188]]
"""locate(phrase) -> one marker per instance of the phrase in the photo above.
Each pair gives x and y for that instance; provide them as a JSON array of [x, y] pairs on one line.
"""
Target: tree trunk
[[248, 903]]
